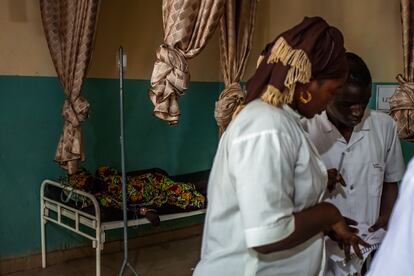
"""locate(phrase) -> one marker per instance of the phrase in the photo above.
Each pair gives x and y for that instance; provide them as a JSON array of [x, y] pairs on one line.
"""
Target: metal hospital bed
[[90, 226]]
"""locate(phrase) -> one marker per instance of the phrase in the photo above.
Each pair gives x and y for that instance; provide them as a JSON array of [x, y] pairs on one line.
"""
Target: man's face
[[349, 104]]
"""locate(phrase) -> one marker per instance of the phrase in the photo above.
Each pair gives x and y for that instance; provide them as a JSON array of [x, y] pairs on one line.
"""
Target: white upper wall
[[372, 29]]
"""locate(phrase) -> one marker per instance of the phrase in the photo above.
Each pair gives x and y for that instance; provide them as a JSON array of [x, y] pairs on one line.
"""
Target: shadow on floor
[[176, 258]]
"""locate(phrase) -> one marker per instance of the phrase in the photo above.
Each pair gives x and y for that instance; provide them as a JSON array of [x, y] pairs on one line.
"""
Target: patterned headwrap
[[310, 50]]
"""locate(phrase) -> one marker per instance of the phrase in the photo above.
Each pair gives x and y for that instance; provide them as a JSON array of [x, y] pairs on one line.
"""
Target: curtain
[[69, 26], [188, 25], [402, 102], [236, 34]]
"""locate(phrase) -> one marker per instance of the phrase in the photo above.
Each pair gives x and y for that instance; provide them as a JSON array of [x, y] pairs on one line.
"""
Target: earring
[[305, 99]]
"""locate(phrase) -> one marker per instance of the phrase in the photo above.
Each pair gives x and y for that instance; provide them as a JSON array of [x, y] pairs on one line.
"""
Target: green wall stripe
[[31, 125]]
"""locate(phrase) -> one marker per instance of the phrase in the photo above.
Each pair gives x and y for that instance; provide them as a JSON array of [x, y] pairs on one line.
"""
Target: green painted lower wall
[[30, 127]]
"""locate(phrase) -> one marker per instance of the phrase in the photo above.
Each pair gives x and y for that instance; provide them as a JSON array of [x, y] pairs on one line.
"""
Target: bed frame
[[83, 223]]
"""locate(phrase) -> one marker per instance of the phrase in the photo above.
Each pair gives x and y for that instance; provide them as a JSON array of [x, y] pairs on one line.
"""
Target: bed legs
[[42, 231], [98, 244]]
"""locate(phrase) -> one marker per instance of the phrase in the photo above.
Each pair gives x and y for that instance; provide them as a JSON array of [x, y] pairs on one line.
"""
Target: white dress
[[395, 256], [265, 169]]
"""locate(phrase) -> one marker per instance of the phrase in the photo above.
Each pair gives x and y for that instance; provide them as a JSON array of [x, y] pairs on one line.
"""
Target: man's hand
[[334, 177], [382, 222]]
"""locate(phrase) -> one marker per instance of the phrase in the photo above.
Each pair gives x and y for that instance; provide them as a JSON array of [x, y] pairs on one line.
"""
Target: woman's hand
[[352, 224], [346, 238], [334, 177]]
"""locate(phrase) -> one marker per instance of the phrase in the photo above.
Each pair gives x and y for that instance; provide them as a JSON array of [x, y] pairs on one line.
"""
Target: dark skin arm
[[388, 198], [309, 222]]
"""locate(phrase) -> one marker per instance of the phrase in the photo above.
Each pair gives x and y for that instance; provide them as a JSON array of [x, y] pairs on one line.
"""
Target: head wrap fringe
[[300, 71], [274, 97], [259, 60]]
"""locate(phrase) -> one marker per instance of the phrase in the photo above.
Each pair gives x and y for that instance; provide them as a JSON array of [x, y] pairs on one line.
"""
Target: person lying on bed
[[151, 189], [147, 191]]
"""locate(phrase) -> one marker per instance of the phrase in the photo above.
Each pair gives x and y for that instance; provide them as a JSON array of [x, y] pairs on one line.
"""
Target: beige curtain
[[402, 102], [69, 27], [236, 33], [188, 25]]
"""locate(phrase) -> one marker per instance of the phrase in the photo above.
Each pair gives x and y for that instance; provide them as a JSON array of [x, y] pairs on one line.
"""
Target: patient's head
[[349, 103]]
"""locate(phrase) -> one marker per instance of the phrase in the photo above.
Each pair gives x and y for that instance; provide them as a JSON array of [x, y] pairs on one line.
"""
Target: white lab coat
[[372, 156], [265, 169]]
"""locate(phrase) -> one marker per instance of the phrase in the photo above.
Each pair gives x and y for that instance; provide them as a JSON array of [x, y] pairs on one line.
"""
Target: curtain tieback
[[75, 111], [231, 97], [170, 74], [403, 97]]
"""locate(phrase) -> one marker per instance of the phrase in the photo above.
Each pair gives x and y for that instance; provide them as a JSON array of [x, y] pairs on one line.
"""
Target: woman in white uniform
[[265, 214]]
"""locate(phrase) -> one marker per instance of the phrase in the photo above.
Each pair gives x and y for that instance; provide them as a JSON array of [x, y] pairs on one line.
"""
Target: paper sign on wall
[[384, 92]]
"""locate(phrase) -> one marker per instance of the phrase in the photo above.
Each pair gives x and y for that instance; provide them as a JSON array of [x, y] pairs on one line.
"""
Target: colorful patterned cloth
[[152, 189]]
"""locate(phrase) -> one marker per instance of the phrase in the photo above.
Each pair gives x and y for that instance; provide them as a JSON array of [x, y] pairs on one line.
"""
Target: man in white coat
[[362, 148]]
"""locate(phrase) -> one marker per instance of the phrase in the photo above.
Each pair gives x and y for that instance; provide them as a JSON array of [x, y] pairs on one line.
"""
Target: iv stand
[[121, 138]]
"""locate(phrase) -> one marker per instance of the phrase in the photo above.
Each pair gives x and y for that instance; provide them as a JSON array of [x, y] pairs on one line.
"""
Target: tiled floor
[[176, 258]]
